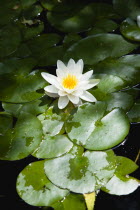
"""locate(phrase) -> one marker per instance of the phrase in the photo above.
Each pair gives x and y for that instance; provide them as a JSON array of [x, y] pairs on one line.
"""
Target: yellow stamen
[[70, 81]]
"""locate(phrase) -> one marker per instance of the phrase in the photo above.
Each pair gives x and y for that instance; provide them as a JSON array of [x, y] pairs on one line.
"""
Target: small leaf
[[125, 166], [90, 200]]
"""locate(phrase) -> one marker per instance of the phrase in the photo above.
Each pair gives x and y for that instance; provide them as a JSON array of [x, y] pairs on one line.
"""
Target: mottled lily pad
[[81, 173], [53, 146], [121, 185], [98, 131], [19, 142], [34, 187]]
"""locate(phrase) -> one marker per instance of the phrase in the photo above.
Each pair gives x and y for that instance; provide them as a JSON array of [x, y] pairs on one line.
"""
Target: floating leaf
[[98, 131], [127, 8], [103, 26], [10, 38], [125, 166], [121, 185], [71, 202], [27, 3], [52, 121], [96, 48], [130, 30], [134, 113], [81, 172], [34, 187], [19, 142], [35, 107], [78, 18], [126, 67], [19, 84], [53, 146], [6, 122], [118, 100]]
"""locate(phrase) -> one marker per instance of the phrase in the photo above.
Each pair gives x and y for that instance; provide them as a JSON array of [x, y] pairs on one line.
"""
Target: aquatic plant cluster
[[69, 76]]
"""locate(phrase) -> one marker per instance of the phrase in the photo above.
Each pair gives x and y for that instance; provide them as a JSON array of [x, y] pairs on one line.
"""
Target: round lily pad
[[79, 18], [98, 131], [81, 173], [96, 48], [18, 83], [6, 122], [127, 8], [121, 185], [130, 30], [53, 146], [35, 107], [134, 113], [10, 37], [34, 187], [19, 142], [52, 122], [119, 100]]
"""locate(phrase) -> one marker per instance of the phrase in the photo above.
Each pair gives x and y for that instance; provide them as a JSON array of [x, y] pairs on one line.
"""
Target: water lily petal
[[63, 102], [138, 20], [62, 93], [87, 75], [88, 97], [73, 99], [91, 84], [51, 79], [51, 89], [79, 66], [71, 65], [61, 65], [77, 92], [53, 95]]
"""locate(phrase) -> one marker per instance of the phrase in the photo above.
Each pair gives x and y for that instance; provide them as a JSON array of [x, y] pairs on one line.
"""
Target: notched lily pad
[[6, 122], [35, 107], [81, 173], [95, 48], [134, 113], [98, 131], [53, 146], [130, 30], [121, 185], [34, 187], [22, 140]]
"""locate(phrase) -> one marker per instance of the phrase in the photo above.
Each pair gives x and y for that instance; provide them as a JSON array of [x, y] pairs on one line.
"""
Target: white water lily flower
[[138, 20], [70, 84]]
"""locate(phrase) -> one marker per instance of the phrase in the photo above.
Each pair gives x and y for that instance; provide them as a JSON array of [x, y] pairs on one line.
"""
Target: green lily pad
[[34, 187], [70, 39], [53, 146], [98, 131], [81, 173], [35, 107], [126, 67], [119, 100], [134, 113], [10, 37], [103, 46], [31, 12], [130, 30], [53, 122], [108, 84], [50, 4], [51, 56], [125, 166], [6, 122], [27, 3], [127, 8], [19, 142], [103, 26], [9, 11], [19, 84], [22, 51], [121, 185], [71, 202], [80, 20]]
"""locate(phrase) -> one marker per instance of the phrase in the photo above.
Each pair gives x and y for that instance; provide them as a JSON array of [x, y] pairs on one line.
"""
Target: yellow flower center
[[70, 81]]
